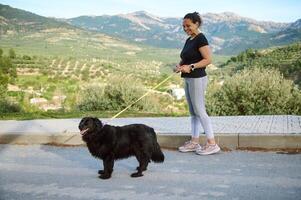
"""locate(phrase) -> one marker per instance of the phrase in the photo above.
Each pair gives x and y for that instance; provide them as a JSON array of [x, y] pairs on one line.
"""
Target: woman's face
[[189, 27]]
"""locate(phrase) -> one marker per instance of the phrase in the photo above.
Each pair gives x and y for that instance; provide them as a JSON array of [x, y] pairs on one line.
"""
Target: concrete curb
[[239, 141], [172, 141]]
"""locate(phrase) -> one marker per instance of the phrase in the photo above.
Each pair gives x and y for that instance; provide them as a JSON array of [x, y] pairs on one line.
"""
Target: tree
[[7, 73], [250, 53], [12, 53], [233, 59], [1, 52]]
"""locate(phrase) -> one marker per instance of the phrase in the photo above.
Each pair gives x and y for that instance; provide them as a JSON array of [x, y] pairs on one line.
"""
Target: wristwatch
[[192, 67]]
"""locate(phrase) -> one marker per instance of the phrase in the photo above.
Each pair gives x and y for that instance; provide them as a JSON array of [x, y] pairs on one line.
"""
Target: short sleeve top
[[190, 54]]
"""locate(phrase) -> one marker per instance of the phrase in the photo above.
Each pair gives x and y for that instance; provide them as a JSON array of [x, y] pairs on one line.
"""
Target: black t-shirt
[[190, 54]]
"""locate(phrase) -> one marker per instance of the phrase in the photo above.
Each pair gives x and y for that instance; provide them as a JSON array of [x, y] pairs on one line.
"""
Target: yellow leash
[[142, 96], [133, 102]]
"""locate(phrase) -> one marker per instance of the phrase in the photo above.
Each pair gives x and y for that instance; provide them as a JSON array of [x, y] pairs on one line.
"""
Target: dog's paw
[[105, 176], [101, 172], [136, 174]]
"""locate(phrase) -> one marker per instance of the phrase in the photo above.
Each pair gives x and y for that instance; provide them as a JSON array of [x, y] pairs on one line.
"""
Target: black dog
[[110, 143]]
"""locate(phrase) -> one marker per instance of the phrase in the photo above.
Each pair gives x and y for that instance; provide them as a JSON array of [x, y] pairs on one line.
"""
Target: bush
[[8, 107], [12, 53], [254, 92], [115, 96], [26, 57]]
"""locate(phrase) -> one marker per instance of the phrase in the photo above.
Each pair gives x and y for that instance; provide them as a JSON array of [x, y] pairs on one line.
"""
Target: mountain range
[[228, 33]]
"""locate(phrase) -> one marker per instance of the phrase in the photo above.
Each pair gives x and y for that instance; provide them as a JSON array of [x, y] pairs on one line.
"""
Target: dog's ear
[[97, 122], [83, 120]]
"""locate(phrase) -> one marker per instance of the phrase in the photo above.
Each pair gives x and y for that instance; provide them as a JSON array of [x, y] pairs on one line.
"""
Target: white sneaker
[[189, 147], [208, 149]]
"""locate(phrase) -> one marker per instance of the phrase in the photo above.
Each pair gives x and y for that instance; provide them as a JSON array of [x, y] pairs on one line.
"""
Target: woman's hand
[[185, 68], [178, 68]]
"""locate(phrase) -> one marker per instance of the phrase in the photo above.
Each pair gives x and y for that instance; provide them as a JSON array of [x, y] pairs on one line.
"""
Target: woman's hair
[[194, 17]]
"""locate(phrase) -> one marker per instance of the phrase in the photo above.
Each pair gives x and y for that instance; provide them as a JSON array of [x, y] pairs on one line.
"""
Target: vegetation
[[285, 59], [50, 69], [7, 75], [104, 85], [117, 95], [255, 91], [64, 78]]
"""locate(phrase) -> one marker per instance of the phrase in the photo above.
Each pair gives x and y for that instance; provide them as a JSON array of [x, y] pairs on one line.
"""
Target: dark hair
[[194, 17]]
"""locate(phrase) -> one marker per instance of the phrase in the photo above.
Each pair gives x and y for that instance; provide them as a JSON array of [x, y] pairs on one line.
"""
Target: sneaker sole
[[185, 151], [209, 153]]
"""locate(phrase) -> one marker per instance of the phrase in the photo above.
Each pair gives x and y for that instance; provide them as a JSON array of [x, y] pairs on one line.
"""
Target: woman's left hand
[[185, 68]]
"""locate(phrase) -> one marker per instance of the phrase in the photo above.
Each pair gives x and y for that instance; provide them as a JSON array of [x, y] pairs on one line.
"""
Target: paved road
[[47, 172]]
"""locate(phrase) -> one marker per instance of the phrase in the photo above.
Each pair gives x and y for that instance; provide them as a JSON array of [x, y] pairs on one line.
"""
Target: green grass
[[66, 115]]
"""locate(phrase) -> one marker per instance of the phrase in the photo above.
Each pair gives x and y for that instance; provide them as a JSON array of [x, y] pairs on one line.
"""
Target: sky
[[263, 10]]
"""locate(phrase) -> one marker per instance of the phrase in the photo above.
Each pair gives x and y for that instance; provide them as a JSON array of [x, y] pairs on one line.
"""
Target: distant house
[[38, 101], [176, 91], [44, 104]]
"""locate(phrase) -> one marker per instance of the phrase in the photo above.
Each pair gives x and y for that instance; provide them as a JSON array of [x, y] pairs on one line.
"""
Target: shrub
[[26, 57], [8, 107], [254, 92], [12, 53], [115, 96]]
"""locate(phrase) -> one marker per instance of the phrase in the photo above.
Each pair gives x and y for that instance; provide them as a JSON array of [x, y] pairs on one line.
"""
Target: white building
[[178, 93]]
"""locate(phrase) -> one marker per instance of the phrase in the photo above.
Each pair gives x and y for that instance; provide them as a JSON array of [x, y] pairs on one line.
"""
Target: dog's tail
[[157, 155]]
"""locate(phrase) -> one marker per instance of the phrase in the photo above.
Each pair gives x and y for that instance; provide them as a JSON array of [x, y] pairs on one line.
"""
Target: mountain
[[139, 26], [227, 32], [48, 45], [289, 34], [230, 33], [16, 20], [32, 34]]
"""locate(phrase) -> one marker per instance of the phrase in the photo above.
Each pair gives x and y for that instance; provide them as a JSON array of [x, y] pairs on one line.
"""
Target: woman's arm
[[206, 54], [207, 58]]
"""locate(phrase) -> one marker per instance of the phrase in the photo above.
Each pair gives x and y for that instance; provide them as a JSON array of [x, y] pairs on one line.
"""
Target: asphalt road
[[47, 172]]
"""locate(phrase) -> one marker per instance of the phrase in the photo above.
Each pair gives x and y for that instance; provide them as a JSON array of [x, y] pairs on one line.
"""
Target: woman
[[195, 56]]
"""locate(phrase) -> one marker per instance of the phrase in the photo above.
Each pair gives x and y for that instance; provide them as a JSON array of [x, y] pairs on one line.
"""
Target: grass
[[78, 114]]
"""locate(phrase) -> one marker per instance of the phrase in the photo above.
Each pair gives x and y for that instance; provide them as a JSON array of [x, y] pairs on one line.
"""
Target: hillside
[[286, 59], [13, 20], [55, 60], [34, 35]]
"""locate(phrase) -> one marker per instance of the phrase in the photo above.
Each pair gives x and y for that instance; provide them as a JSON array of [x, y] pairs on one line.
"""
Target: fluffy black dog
[[110, 143]]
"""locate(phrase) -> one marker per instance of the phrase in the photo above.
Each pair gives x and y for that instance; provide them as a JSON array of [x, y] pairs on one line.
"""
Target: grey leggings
[[195, 95]]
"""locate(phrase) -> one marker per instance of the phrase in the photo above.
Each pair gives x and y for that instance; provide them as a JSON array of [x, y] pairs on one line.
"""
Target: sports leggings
[[195, 95]]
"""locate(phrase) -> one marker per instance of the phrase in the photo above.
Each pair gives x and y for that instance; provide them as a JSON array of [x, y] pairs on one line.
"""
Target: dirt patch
[[277, 150]]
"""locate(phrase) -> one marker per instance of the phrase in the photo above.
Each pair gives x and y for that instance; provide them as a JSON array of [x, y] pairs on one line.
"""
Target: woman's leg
[[195, 127], [197, 96], [195, 93], [193, 144], [194, 121]]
